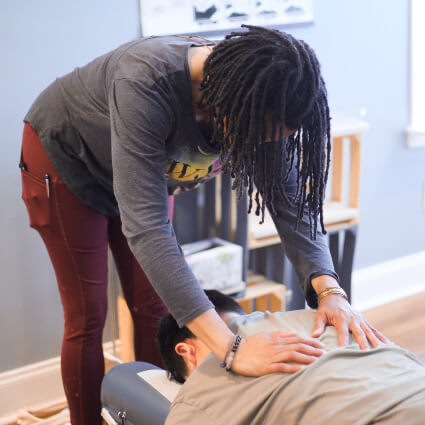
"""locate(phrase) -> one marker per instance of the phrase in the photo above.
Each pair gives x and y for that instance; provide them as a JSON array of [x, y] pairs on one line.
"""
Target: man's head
[[180, 350]]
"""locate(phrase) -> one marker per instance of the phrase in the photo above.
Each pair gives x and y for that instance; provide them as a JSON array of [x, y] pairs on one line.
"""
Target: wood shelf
[[341, 210], [337, 216], [263, 294]]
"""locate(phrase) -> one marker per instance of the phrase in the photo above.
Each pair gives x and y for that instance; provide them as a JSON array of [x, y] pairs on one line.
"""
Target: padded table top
[[139, 391]]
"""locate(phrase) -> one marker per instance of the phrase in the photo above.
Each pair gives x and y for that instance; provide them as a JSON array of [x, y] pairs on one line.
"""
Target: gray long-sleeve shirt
[[122, 134]]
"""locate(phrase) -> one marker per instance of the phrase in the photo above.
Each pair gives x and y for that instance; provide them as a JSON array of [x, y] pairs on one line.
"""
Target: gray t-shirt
[[122, 134], [346, 385]]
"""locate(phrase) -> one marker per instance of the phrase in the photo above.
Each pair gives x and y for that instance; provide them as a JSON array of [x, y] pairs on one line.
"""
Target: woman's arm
[[258, 354], [314, 267], [140, 124], [141, 121]]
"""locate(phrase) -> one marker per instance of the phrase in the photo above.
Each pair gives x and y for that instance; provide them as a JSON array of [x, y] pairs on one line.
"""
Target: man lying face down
[[180, 350], [344, 385]]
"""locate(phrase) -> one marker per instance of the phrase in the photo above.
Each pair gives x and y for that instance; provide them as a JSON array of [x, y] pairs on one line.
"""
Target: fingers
[[343, 333], [284, 368], [370, 335], [360, 336], [338, 312], [277, 350], [379, 335], [363, 333], [297, 340], [295, 349], [283, 334], [297, 357], [320, 323], [301, 353]]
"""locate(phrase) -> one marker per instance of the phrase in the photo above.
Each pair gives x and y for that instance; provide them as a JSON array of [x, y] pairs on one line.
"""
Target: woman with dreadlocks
[[107, 146]]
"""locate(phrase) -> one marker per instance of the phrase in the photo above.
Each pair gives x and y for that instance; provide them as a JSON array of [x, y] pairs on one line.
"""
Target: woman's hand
[[336, 311], [265, 353]]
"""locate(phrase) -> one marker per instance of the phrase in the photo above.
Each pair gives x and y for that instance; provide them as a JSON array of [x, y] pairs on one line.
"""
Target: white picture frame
[[164, 17]]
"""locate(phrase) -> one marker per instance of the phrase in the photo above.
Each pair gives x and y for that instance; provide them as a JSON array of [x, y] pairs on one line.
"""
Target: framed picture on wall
[[161, 17]]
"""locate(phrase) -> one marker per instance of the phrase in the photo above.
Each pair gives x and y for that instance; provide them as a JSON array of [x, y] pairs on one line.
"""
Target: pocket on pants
[[34, 194]]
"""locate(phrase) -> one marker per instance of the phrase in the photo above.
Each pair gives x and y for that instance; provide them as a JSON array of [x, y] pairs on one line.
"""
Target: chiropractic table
[[137, 393]]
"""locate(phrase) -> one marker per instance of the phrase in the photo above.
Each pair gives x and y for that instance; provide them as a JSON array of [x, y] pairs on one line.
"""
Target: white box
[[216, 263]]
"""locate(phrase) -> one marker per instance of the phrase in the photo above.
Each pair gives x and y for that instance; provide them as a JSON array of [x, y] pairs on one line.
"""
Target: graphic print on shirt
[[189, 168]]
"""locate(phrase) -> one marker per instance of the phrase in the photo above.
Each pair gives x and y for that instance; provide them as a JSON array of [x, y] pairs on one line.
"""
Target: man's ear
[[188, 352]]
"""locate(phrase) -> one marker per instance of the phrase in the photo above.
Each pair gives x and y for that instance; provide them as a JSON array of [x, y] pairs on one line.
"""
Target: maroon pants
[[77, 239]]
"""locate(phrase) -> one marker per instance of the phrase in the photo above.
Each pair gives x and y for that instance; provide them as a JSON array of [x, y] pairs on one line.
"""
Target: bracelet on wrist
[[229, 348], [232, 353], [331, 291]]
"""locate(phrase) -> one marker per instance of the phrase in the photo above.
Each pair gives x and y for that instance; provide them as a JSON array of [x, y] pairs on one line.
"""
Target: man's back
[[344, 386]]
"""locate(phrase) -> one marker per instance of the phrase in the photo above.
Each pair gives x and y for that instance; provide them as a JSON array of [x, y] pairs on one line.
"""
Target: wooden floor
[[403, 322]]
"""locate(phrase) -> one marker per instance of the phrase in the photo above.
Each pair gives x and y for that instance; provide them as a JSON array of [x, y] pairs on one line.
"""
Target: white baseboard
[[30, 385], [36, 383], [389, 281]]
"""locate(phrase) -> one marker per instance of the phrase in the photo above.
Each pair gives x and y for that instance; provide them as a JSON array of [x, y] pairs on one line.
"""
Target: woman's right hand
[[265, 353]]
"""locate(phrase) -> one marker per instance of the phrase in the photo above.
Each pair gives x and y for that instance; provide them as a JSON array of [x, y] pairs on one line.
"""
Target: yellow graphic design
[[183, 172]]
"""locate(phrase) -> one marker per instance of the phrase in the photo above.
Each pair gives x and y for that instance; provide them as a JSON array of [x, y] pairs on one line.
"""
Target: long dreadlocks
[[260, 80]]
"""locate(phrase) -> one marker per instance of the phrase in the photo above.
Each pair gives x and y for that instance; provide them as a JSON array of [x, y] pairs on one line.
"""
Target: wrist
[[320, 283], [230, 354], [212, 331], [331, 291]]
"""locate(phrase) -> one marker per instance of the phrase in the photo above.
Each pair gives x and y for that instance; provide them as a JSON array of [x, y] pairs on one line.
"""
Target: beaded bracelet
[[232, 353], [223, 363]]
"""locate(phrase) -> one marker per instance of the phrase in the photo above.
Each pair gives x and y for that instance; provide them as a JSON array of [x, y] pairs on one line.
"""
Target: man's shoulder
[[299, 321], [206, 383]]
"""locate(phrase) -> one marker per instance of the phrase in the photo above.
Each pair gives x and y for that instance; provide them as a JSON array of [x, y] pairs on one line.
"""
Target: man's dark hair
[[169, 334], [259, 77]]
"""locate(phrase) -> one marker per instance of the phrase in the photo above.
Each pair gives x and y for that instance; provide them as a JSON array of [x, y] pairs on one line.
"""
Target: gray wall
[[40, 40], [363, 47]]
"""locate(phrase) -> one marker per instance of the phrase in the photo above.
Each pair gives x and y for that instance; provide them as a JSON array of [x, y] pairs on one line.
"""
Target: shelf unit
[[341, 209]]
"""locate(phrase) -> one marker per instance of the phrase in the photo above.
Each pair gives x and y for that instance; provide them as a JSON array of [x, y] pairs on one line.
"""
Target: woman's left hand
[[336, 311]]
